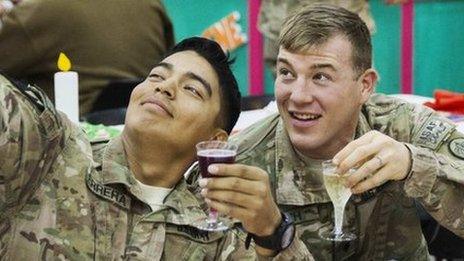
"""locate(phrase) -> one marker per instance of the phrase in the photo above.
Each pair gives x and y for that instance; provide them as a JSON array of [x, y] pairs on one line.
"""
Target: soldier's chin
[[303, 145]]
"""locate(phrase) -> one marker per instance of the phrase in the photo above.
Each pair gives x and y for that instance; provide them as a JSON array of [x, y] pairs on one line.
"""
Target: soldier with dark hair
[[62, 197]]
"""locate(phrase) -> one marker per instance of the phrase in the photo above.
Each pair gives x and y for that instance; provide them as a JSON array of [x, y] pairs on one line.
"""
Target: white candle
[[67, 94]]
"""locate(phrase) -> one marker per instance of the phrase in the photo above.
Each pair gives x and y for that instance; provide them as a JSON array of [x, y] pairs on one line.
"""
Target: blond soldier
[[404, 153], [273, 12], [61, 198]]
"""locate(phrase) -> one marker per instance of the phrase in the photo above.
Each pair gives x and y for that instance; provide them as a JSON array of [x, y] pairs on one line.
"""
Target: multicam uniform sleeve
[[234, 249], [30, 139], [436, 179]]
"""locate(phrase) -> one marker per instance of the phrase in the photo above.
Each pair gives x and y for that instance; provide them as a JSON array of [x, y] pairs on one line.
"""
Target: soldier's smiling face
[[178, 102], [319, 96]]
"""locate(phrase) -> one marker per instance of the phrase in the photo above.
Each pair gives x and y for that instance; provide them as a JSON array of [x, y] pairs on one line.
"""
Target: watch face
[[287, 237]]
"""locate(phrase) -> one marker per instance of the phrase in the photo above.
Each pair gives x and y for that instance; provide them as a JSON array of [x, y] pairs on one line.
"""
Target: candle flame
[[64, 64]]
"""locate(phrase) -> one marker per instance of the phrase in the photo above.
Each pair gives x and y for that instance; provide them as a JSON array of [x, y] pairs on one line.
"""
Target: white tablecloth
[[249, 117]]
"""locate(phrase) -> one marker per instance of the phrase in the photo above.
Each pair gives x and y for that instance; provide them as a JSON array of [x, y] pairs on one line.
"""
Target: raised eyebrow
[[197, 77], [164, 65], [283, 60], [314, 66], [323, 65]]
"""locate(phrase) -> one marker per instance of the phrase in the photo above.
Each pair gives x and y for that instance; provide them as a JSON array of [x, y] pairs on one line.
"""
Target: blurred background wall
[[418, 46]]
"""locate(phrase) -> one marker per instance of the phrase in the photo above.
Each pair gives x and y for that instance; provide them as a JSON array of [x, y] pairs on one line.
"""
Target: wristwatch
[[280, 240]]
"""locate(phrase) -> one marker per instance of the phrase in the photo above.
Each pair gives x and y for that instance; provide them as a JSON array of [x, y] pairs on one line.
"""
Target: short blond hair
[[314, 25]]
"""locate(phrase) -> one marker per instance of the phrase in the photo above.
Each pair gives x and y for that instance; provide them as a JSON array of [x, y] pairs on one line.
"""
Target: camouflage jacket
[[273, 13], [386, 223], [61, 198]]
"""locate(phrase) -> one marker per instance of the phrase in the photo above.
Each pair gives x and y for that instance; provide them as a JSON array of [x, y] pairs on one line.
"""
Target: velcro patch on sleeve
[[433, 132]]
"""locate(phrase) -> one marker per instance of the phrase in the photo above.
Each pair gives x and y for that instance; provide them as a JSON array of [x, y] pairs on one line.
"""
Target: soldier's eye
[[285, 74]]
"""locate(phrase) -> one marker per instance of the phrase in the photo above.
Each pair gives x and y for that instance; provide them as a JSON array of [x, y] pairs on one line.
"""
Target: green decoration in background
[[98, 132]]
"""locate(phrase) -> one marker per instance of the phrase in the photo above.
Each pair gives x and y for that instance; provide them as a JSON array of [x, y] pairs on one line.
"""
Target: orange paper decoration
[[227, 32]]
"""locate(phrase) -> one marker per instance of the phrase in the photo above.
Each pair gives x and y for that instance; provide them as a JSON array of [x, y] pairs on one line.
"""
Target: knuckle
[[369, 168]]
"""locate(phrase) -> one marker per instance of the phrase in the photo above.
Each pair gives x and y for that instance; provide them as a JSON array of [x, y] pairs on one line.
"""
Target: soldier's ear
[[368, 81], [220, 134]]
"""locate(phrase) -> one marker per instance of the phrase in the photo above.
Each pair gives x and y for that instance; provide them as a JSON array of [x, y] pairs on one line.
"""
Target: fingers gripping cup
[[211, 152]]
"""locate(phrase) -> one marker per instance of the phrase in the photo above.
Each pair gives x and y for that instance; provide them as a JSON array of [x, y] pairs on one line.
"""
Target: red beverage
[[211, 156], [211, 152]]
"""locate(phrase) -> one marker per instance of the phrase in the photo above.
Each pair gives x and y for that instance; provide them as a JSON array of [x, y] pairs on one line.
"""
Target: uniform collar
[[363, 125], [182, 207], [115, 168]]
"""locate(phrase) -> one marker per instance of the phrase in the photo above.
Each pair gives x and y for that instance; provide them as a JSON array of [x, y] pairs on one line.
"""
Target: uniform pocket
[[189, 243]]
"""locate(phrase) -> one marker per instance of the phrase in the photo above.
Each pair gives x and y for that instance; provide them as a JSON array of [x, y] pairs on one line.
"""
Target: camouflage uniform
[[61, 198], [273, 13], [386, 223]]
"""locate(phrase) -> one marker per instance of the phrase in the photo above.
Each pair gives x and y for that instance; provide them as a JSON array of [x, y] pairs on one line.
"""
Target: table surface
[[249, 117]]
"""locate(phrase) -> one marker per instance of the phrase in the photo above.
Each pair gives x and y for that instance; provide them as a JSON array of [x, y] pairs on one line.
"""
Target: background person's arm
[[17, 49]]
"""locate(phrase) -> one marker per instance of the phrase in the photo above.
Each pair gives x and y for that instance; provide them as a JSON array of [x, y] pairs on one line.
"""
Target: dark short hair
[[316, 24], [229, 91]]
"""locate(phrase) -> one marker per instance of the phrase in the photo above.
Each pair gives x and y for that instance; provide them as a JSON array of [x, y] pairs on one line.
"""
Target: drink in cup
[[211, 152], [339, 195]]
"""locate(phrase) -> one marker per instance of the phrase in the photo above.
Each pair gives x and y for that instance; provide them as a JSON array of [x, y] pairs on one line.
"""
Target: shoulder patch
[[433, 132], [456, 147]]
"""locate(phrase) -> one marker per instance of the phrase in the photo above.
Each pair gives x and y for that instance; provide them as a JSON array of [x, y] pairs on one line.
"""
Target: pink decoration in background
[[255, 51], [407, 46]]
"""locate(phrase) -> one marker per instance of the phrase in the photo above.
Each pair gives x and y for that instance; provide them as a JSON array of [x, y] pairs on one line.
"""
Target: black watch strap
[[280, 239]]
